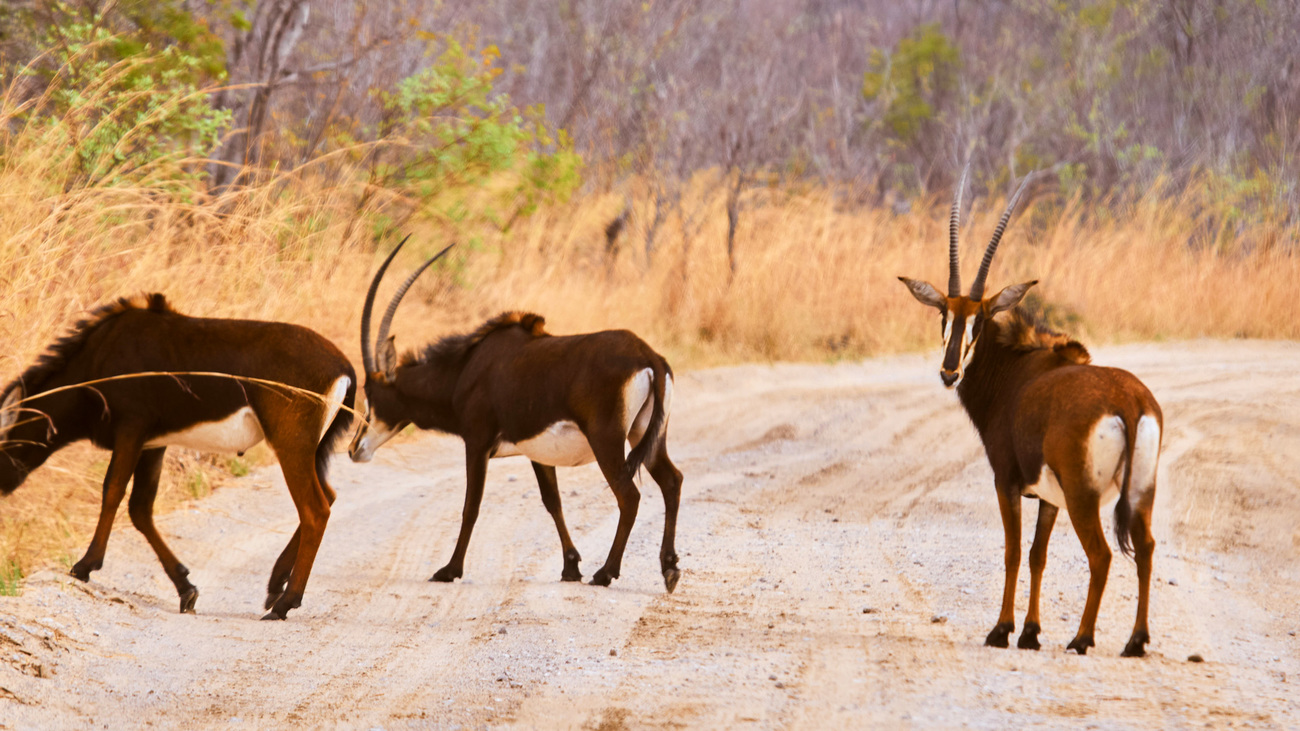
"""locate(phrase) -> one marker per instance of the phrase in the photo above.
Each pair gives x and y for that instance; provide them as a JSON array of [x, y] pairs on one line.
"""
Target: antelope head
[[962, 318], [384, 406]]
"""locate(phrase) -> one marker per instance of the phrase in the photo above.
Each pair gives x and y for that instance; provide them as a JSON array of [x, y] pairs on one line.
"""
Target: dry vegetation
[[813, 282], [104, 152]]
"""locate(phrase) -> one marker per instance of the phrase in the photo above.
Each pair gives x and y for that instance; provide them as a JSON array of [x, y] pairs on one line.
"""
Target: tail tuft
[[1123, 510]]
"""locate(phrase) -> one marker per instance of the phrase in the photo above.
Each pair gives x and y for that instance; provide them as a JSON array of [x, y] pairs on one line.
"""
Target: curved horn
[[954, 222], [367, 353], [977, 289], [401, 292]]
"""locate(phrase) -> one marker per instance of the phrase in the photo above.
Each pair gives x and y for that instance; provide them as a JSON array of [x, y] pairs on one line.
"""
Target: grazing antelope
[[156, 378], [1055, 428], [510, 388]]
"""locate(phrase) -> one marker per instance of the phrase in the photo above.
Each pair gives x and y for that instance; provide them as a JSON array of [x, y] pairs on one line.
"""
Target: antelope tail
[[1123, 510], [654, 432]]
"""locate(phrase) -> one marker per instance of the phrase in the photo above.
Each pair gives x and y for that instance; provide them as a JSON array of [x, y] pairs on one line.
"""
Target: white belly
[[1046, 488], [561, 444], [235, 433]]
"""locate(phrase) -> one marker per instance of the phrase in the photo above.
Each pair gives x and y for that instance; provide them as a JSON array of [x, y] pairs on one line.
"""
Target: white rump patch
[[334, 401], [235, 433], [561, 444], [638, 402], [1146, 457], [1047, 488], [1105, 457]]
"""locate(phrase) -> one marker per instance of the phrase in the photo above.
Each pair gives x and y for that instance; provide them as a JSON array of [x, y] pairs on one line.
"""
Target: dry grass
[[813, 282]]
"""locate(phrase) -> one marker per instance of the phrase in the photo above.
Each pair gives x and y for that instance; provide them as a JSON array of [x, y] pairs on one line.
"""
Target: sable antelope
[[214, 386], [510, 388], [1055, 428]]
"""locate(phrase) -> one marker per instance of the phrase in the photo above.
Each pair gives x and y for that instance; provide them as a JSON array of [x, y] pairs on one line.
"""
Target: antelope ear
[[1007, 298], [388, 358], [925, 293], [9, 409]]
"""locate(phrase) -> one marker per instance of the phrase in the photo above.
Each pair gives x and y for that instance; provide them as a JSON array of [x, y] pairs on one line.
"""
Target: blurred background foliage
[[881, 99]]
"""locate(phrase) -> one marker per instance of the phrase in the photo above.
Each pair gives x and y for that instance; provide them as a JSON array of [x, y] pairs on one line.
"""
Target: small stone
[[511, 478], [866, 610], [1195, 658], [613, 653], [938, 619], [501, 631], [771, 677], [1173, 582], [780, 685]]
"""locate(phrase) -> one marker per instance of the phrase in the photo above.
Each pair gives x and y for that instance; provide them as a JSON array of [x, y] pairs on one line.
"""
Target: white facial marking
[[968, 346], [334, 401], [371, 436], [947, 331], [238, 432], [1047, 488]]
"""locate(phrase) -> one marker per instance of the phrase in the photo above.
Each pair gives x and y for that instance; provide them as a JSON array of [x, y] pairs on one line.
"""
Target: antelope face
[[962, 321], [374, 431]]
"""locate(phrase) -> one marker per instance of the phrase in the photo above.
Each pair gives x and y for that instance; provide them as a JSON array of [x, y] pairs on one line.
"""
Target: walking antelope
[[1054, 427], [156, 378], [510, 388]]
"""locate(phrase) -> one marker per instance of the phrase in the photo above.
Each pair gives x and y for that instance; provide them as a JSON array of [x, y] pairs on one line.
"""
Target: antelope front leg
[[140, 506], [1009, 504], [476, 459], [126, 453], [1037, 562]]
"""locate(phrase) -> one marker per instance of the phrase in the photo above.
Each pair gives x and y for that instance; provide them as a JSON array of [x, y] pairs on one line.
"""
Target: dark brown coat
[[138, 416]]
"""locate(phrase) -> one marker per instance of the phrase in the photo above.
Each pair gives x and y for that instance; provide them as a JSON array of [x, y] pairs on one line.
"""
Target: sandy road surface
[[812, 493]]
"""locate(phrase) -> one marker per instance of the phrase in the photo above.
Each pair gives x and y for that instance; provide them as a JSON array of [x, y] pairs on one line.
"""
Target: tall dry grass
[[814, 281]]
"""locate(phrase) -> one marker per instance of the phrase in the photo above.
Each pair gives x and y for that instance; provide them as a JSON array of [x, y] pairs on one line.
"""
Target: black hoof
[[571, 571], [1136, 645], [602, 578], [273, 592], [188, 597], [1029, 637], [998, 637], [1080, 645], [282, 606], [670, 579], [81, 569], [446, 574]]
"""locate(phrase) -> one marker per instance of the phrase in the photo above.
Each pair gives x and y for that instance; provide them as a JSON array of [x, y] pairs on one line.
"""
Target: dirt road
[[841, 553]]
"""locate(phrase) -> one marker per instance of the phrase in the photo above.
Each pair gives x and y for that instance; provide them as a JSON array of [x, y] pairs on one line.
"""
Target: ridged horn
[[401, 292], [367, 352], [977, 289], [954, 223]]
